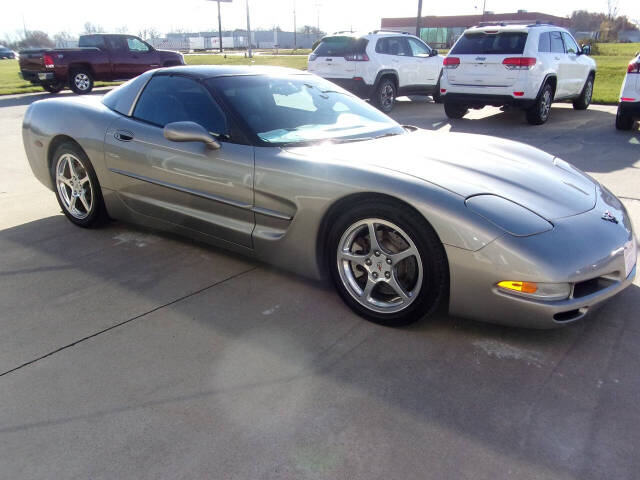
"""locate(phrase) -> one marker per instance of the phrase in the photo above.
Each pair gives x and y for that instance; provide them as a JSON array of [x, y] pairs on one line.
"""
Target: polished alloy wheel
[[82, 81], [386, 96], [74, 186], [545, 105], [379, 265]]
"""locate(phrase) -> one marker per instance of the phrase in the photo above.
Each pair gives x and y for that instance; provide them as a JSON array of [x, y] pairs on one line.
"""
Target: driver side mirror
[[586, 49], [434, 53], [189, 132]]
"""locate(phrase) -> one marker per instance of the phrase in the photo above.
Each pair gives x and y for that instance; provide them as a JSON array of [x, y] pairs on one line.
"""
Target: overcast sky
[[199, 15]]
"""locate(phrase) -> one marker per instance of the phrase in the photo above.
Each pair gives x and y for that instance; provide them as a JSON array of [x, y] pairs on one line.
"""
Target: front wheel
[[624, 121], [81, 81], [387, 263], [76, 186], [584, 100], [541, 109], [455, 110], [385, 95]]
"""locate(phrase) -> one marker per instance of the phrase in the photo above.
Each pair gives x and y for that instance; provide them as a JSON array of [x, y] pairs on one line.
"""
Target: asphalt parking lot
[[125, 353]]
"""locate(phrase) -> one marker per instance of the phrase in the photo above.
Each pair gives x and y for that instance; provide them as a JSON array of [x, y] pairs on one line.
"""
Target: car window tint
[[556, 42], [91, 41], [544, 44], [393, 46], [570, 43], [340, 46], [168, 99], [418, 49], [136, 45], [117, 43], [506, 43]]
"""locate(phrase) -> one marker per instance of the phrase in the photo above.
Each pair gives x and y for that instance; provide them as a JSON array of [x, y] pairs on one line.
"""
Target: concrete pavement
[[132, 354]]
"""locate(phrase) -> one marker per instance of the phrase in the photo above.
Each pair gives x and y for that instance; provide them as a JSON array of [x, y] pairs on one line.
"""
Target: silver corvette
[[286, 167]]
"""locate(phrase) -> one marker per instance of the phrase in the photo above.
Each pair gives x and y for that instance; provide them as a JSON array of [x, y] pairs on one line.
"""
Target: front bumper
[[481, 100], [356, 86], [583, 250]]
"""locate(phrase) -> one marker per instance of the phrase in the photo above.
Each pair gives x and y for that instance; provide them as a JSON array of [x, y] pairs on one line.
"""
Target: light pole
[[249, 31], [219, 26], [295, 42], [418, 18]]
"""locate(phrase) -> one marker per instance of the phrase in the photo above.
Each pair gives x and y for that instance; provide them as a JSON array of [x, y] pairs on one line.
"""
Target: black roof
[[208, 71]]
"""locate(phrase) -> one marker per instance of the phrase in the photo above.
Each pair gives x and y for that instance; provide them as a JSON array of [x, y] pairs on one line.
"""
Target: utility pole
[[219, 26], [249, 31], [418, 18], [295, 41], [484, 7]]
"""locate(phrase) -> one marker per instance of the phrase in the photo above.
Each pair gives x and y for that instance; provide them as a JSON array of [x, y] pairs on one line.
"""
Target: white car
[[629, 106], [379, 65], [525, 66]]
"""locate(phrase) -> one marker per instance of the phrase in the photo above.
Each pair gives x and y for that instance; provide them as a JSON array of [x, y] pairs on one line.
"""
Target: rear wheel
[[76, 186], [455, 110], [385, 95], [53, 87], [81, 81], [584, 100], [624, 121], [540, 111], [387, 264]]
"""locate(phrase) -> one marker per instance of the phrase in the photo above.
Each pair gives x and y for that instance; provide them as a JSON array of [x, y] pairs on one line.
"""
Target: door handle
[[123, 135]]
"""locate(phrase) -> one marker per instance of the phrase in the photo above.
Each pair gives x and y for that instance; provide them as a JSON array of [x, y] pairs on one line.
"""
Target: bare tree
[[92, 28], [63, 39], [123, 29], [612, 9]]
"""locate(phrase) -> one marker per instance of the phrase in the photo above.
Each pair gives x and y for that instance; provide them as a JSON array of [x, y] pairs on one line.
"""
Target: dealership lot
[[132, 354]]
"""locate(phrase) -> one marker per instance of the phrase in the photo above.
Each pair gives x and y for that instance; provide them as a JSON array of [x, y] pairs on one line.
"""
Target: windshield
[[292, 109], [506, 43]]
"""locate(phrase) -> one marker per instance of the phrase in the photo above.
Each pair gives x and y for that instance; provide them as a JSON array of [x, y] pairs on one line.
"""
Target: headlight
[[507, 215]]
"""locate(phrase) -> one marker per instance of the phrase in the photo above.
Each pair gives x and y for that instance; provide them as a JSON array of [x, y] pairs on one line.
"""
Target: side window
[[382, 46], [168, 99], [117, 43], [136, 45], [570, 43], [544, 44], [557, 46], [418, 49], [91, 41]]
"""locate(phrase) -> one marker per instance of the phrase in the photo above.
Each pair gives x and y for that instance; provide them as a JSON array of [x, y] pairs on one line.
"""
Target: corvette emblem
[[609, 217], [380, 266]]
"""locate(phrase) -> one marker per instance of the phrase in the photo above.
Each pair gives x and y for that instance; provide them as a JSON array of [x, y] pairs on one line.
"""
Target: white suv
[[379, 65], [527, 66], [629, 106]]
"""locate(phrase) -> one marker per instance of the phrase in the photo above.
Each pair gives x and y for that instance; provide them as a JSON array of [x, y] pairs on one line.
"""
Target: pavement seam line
[[124, 322]]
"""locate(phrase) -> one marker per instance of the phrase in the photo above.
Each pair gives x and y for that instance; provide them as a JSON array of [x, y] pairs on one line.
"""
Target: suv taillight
[[519, 63], [48, 60], [356, 57], [634, 67], [451, 62]]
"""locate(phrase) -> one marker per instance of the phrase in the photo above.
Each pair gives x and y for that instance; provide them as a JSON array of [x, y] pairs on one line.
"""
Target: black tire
[[81, 81], [540, 111], [53, 87], [584, 100], [435, 276], [455, 110], [97, 213], [624, 121], [384, 97], [437, 96]]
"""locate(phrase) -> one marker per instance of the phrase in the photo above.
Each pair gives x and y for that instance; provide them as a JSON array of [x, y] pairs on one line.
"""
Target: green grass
[[612, 60]]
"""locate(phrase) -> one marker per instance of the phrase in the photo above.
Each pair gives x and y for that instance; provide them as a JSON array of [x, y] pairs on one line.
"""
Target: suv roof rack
[[504, 23], [388, 31]]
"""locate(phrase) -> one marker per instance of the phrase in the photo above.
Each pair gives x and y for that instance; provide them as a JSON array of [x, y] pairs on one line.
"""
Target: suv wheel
[[624, 121], [81, 81], [583, 101], [539, 112], [455, 110], [53, 87], [385, 96]]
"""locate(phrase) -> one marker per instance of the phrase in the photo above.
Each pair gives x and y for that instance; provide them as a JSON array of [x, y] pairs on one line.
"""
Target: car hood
[[468, 165]]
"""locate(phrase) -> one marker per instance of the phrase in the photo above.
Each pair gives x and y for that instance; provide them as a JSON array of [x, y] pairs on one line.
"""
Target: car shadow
[[513, 391], [29, 98]]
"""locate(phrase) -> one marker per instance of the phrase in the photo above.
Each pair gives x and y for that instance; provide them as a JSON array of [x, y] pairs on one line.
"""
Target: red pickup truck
[[104, 57]]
